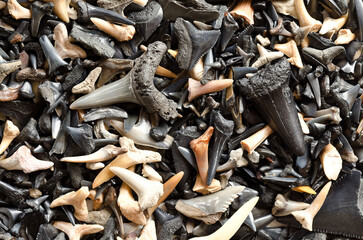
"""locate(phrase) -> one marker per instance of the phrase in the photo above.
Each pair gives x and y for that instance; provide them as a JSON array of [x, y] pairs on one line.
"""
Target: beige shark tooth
[[331, 161], [18, 11], [345, 36], [119, 32], [196, 89], [148, 192], [264, 41], [95, 166], [286, 7], [87, 85], [77, 231], [197, 72], [63, 46], [235, 160], [251, 143], [10, 132], [8, 67], [150, 173], [305, 217], [61, 9], [149, 231], [304, 17], [77, 200], [97, 202], [215, 186], [209, 208], [23, 160], [244, 10], [284, 206], [232, 225], [290, 49], [112, 67], [103, 154], [133, 156], [141, 2], [266, 56]]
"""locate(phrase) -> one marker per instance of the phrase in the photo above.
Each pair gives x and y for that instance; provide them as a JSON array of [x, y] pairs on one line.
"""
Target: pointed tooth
[[251, 143], [87, 85], [284, 206], [112, 67], [55, 62], [8, 67], [167, 224], [61, 9], [304, 18], [350, 95], [83, 137], [149, 231], [290, 49], [188, 155], [10, 132], [331, 24], [244, 10], [150, 173], [196, 89], [266, 56], [38, 10]]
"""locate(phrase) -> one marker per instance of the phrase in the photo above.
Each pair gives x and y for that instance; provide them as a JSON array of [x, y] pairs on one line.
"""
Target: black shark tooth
[[38, 10]]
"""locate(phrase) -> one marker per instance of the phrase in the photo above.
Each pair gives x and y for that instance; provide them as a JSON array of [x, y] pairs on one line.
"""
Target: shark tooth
[[61, 9], [266, 56], [148, 192], [55, 62], [113, 67], [97, 202], [290, 49], [75, 232], [17, 11], [251, 143], [131, 157], [345, 36], [286, 7], [148, 232], [87, 85], [284, 206], [304, 18], [336, 7], [10, 132], [229, 27], [197, 89], [38, 10], [243, 10], [235, 160], [119, 32], [333, 25], [8, 67], [325, 56], [331, 161], [102, 113], [83, 137], [150, 173], [166, 224], [215, 186]]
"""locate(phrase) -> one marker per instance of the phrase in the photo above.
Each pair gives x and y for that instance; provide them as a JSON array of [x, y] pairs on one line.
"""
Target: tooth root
[[61, 9], [290, 49], [120, 33], [77, 231], [331, 161], [251, 143], [284, 206], [196, 89], [304, 18], [112, 67], [10, 132], [265, 56], [18, 11], [331, 24], [244, 10]]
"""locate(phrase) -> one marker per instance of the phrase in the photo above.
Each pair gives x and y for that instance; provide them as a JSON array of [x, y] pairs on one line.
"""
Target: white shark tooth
[[284, 206], [18, 11], [209, 208], [230, 227], [331, 161], [77, 231], [148, 232], [148, 192], [103, 154], [333, 24], [236, 159], [88, 85], [10, 132], [95, 166], [150, 173], [23, 160]]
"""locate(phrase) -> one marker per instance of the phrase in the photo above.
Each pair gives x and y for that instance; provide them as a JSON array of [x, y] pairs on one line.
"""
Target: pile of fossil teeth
[[181, 119]]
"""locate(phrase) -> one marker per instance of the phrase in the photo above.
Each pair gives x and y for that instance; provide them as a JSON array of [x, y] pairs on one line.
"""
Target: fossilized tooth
[[113, 67], [290, 49], [63, 46], [119, 32], [331, 161], [61, 9], [229, 27], [15, 195], [285, 7], [137, 87], [77, 200], [231, 226], [300, 33], [55, 62], [101, 132], [21, 34], [148, 192], [161, 71], [148, 232], [266, 56], [241, 72], [325, 56], [17, 11], [26, 90], [87, 85], [166, 224], [38, 10], [336, 8], [350, 95], [150, 173], [200, 149], [333, 25], [209, 208], [264, 41], [348, 68], [87, 11], [11, 216], [77, 231], [235, 160], [198, 70], [83, 137], [314, 83], [359, 11], [251, 143], [304, 18], [199, 187], [97, 202], [284, 206], [347, 152], [197, 89], [10, 132], [131, 157], [191, 106], [244, 10], [210, 104], [191, 48], [102, 113], [30, 74], [8, 67]]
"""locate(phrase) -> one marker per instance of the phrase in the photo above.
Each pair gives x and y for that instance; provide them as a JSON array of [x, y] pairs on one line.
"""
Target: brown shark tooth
[[8, 67], [119, 32], [209, 208], [148, 192], [196, 89], [75, 232], [331, 161], [284, 206], [131, 157], [150, 173], [77, 200], [111, 68], [87, 85], [18, 11], [304, 18], [97, 202], [10, 132], [251, 143], [333, 25], [305, 217], [244, 10], [345, 36], [290, 49], [215, 186], [266, 56], [61, 9], [235, 160]]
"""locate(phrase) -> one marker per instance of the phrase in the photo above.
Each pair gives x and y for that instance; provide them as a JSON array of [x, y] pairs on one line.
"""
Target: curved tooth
[[236, 159], [244, 10], [230, 227], [332, 24], [77, 231], [150, 173], [18, 11], [63, 46], [284, 206], [196, 89], [305, 217], [131, 157], [304, 18], [77, 200], [251, 143], [119, 32], [61, 9], [331, 161], [149, 231], [148, 192], [10, 132], [23, 160], [8, 67], [290, 49], [87, 85]]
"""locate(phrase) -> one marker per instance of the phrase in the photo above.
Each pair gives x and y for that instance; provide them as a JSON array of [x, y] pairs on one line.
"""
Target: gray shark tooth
[[55, 62], [209, 208], [350, 95], [83, 137], [229, 27], [193, 43], [38, 10], [102, 113], [325, 56]]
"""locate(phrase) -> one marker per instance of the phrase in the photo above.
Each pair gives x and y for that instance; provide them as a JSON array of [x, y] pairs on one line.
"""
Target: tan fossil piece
[[266, 56], [119, 32], [23, 160], [77, 231], [10, 132], [148, 192], [95, 166], [149, 231], [290, 49], [215, 186], [304, 17], [140, 2], [63, 46], [332, 162], [264, 41], [8, 67], [345, 36], [97, 202], [235, 160], [333, 24], [304, 126], [284, 206], [173, 53], [286, 7], [196, 89], [103, 154], [305, 217], [18, 11], [88, 85], [77, 200], [133, 156], [197, 72], [150, 173], [72, 13], [61, 9], [112, 67], [251, 143], [243, 9]]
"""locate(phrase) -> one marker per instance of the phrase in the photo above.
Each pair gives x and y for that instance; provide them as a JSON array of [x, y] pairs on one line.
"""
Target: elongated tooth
[[304, 126], [55, 62], [102, 113], [87, 85], [236, 159], [290, 49], [265, 56], [75, 232], [331, 24], [148, 232], [148, 192], [331, 161], [251, 143], [112, 67], [232, 225], [18, 11], [284, 206], [131, 157], [305, 217], [197, 89], [23, 160], [243, 10], [77, 200], [120, 33], [8, 67], [150, 173], [10, 132], [63, 46], [215, 186], [304, 18], [61, 9]]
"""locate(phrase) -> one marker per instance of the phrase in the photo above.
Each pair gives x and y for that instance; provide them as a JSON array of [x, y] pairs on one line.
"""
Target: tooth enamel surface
[[331, 161]]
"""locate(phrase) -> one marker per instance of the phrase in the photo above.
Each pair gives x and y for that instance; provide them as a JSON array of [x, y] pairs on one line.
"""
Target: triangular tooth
[[149, 231], [350, 95], [229, 27], [197, 89], [331, 24], [304, 18], [38, 10], [290, 49], [244, 10], [166, 224], [111, 67], [55, 62], [8, 67], [83, 137], [18, 11]]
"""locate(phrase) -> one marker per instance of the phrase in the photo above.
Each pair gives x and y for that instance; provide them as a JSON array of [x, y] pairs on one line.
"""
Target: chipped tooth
[[197, 72], [106, 153], [265, 56], [196, 89], [304, 18], [10, 132], [231, 226], [215, 186], [77, 231], [244, 10], [236, 159], [290, 49], [304, 126], [97, 202], [150, 173], [251, 143], [264, 41], [119, 32], [131, 157], [148, 192], [305, 217], [304, 189], [284, 206], [161, 71], [148, 232], [18, 11], [87, 85], [285, 7], [331, 161], [345, 36], [8, 67], [332, 24], [77, 200], [61, 9], [95, 166], [23, 160]]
